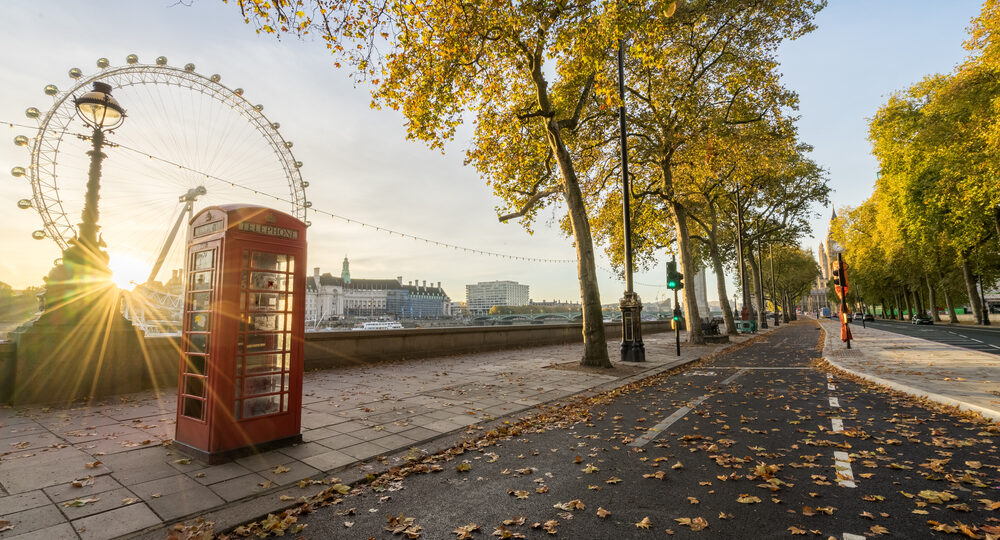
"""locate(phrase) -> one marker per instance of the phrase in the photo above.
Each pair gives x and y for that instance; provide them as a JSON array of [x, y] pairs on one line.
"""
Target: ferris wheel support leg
[[170, 241]]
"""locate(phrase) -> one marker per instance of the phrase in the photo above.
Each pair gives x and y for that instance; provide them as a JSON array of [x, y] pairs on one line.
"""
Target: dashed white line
[[655, 431], [849, 536], [976, 340], [837, 425], [831, 386], [835, 403], [994, 346], [960, 335], [845, 476]]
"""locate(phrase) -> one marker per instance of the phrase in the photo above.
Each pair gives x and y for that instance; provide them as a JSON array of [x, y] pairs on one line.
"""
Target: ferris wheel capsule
[[189, 67], [215, 78], [38, 235], [24, 204], [132, 59], [21, 140], [308, 204], [238, 91], [32, 112], [18, 172], [305, 184], [298, 164], [161, 60], [51, 90], [103, 63], [258, 107], [275, 125], [308, 223], [288, 144], [75, 73]]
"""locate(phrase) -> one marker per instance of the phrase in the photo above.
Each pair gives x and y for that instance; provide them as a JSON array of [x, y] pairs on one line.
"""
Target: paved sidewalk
[[130, 482], [944, 373]]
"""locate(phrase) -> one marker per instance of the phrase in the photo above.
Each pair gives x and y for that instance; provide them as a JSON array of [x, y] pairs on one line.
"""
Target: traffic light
[[672, 275], [677, 314]]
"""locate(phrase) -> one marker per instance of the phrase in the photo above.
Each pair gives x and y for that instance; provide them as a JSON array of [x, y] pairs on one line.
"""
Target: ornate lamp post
[[84, 262], [99, 110], [633, 350]]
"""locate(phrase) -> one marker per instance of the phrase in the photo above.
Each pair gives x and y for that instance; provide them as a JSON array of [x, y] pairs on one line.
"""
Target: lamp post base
[[633, 349]]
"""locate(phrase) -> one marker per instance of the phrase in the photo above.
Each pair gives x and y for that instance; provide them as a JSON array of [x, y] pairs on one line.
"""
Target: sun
[[127, 272]]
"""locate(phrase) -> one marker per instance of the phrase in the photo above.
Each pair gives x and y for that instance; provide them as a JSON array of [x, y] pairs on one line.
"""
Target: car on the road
[[869, 317], [859, 316], [922, 319]]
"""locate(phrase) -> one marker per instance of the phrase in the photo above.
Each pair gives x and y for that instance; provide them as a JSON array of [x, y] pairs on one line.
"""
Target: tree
[[692, 83], [529, 72]]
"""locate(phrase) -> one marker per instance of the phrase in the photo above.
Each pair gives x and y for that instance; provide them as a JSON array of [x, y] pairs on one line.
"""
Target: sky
[[358, 162]]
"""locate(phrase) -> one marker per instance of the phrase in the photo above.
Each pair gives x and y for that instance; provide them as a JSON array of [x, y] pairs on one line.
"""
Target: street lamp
[[632, 349], [99, 110]]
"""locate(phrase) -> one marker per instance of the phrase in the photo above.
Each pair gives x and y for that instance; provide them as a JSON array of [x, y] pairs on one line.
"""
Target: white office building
[[482, 296]]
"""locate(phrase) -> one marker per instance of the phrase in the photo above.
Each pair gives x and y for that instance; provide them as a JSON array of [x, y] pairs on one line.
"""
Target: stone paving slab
[[944, 373], [350, 416]]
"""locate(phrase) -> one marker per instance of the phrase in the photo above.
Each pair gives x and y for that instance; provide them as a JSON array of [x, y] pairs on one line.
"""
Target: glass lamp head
[[99, 109]]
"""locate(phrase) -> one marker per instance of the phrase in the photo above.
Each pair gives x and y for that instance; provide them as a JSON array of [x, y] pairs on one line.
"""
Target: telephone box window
[[263, 346], [196, 341]]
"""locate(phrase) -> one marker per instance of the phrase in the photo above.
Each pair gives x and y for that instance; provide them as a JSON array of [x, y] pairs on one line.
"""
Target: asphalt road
[[970, 337], [757, 443]]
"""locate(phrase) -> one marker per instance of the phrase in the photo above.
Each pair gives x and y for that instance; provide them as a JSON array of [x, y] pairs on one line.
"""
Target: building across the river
[[330, 297], [482, 296]]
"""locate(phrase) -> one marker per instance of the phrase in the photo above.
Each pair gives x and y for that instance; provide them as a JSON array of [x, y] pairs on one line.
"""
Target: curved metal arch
[[56, 122]]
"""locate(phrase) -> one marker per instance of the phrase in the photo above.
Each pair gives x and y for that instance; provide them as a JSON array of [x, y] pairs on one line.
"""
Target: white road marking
[[732, 377], [834, 402], [976, 340], [831, 386], [845, 476], [952, 333], [702, 373], [994, 346], [837, 425], [770, 368], [655, 431], [960, 335], [849, 536]]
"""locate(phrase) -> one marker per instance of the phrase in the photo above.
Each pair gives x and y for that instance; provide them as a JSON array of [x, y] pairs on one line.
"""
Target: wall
[[326, 350]]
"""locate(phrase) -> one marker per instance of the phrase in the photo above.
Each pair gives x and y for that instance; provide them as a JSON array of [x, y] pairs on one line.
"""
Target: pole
[[760, 280], [739, 249], [677, 324], [632, 348], [986, 307], [774, 297], [843, 299]]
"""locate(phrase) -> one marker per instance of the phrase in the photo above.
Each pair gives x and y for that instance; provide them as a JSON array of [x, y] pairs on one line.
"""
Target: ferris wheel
[[188, 142]]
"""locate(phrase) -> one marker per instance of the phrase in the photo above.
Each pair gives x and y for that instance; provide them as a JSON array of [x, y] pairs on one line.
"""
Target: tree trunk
[[970, 286], [952, 316], [788, 307], [720, 281], [692, 319], [757, 289], [595, 346], [906, 299], [932, 298]]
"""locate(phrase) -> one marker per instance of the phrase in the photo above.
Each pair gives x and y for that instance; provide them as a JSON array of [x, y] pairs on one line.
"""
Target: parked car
[[859, 316], [922, 319], [869, 317]]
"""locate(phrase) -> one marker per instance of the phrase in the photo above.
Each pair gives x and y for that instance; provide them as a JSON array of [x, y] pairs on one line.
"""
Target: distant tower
[[345, 272]]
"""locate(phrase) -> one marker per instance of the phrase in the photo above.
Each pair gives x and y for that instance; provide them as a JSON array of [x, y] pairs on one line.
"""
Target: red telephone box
[[240, 387]]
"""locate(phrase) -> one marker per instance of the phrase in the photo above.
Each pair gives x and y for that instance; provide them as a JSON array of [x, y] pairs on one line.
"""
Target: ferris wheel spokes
[[188, 199]]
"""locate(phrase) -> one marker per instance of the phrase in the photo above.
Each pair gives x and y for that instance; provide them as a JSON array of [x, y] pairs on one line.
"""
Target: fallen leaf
[[602, 513], [795, 530], [280, 469], [88, 481], [747, 499], [590, 469], [183, 461], [465, 531], [878, 529], [76, 503], [129, 500], [265, 484], [464, 467], [693, 500], [92, 465], [644, 524], [613, 480], [677, 465], [5, 525]]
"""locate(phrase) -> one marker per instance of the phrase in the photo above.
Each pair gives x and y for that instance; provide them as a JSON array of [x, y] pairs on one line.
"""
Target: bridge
[[527, 318]]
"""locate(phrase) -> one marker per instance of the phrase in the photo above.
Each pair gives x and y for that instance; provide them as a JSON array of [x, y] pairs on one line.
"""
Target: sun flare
[[127, 272]]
